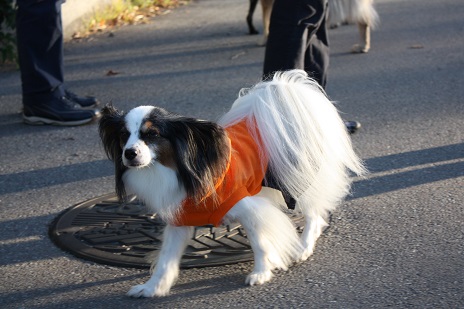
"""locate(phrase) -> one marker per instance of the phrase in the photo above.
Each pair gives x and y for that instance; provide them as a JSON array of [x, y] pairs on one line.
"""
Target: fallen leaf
[[111, 73]]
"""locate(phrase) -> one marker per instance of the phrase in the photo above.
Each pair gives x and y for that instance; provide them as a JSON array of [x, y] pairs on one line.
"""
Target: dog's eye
[[151, 134], [124, 135]]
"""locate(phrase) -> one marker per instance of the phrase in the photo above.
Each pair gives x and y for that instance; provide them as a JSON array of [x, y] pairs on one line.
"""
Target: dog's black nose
[[130, 153]]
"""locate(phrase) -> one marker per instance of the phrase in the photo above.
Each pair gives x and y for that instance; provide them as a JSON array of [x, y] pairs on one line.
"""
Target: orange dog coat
[[243, 178]]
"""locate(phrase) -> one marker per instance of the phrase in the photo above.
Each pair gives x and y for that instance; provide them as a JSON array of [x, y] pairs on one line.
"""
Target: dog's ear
[[202, 151], [110, 126]]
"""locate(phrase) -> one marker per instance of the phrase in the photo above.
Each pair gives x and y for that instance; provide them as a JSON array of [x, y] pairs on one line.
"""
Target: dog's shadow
[[208, 286], [344, 54]]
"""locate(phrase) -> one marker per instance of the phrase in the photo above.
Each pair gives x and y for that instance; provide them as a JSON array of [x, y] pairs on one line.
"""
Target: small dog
[[361, 12], [194, 172]]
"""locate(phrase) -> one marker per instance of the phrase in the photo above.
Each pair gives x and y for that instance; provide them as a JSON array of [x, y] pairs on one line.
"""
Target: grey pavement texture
[[398, 241]]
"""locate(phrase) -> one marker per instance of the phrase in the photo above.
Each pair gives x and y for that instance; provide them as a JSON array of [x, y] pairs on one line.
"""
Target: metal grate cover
[[107, 232]]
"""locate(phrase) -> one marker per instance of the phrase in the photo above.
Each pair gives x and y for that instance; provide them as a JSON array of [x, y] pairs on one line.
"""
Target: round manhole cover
[[105, 231]]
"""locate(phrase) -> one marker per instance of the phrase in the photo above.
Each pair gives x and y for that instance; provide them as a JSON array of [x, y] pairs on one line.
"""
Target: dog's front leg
[[167, 268]]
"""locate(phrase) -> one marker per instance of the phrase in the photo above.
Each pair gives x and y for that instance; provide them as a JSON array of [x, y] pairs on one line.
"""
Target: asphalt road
[[397, 242]]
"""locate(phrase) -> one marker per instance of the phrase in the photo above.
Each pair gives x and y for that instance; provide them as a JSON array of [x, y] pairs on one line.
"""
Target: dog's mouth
[[136, 165]]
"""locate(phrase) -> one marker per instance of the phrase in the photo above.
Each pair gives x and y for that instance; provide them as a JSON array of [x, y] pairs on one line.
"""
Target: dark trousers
[[298, 38], [40, 46]]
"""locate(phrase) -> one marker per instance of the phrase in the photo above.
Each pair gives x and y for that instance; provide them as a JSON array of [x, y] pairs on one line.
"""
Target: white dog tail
[[303, 137]]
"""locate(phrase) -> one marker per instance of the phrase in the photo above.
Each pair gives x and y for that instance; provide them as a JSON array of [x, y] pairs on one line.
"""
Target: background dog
[[194, 172], [360, 12]]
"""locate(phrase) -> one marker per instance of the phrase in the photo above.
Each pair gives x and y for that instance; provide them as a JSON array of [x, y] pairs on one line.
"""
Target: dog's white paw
[[257, 278], [146, 290], [306, 254], [141, 290], [262, 41], [359, 49]]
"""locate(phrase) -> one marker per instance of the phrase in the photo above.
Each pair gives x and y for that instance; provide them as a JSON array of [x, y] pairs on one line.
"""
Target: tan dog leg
[[266, 5], [365, 35]]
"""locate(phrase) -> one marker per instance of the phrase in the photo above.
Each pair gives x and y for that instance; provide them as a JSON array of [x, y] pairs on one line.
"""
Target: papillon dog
[[195, 172]]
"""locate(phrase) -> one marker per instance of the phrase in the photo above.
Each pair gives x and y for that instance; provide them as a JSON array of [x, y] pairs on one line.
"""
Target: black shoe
[[48, 109], [86, 101], [352, 126]]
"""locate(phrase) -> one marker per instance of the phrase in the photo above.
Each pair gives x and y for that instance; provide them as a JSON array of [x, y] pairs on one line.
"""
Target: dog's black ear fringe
[[110, 125], [202, 152]]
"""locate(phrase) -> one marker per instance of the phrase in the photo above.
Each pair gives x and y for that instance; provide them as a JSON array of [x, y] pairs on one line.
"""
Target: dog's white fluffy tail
[[302, 135]]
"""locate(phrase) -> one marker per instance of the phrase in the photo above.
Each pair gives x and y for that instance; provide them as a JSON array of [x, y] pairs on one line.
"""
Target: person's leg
[[293, 28], [40, 51], [40, 46], [317, 52]]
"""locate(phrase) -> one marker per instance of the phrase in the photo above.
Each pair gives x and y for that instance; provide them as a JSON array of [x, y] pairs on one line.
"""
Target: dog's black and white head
[[197, 150]]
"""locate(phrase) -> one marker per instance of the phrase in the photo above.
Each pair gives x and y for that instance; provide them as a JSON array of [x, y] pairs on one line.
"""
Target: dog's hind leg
[[314, 226], [267, 10], [167, 268], [272, 236], [365, 37]]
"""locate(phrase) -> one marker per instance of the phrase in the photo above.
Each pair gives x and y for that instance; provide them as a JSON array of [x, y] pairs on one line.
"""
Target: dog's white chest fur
[[158, 187]]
